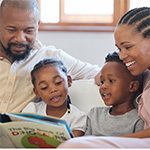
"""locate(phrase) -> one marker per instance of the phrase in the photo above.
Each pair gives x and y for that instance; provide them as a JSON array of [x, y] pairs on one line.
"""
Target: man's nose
[[20, 36]]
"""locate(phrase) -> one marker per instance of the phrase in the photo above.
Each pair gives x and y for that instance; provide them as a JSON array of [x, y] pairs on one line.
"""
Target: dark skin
[[133, 47], [112, 77], [51, 85], [18, 29]]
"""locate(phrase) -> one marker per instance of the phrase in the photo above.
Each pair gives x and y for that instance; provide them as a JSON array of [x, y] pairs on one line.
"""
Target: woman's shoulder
[[146, 75]]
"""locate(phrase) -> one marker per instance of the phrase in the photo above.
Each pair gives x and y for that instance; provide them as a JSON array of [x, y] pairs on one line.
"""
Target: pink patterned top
[[144, 101]]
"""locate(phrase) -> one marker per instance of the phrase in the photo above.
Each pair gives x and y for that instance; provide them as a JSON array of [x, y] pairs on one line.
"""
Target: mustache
[[16, 57], [18, 44]]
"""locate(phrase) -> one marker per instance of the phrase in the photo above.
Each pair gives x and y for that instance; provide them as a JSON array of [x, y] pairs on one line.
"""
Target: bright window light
[[139, 3], [89, 7], [50, 11]]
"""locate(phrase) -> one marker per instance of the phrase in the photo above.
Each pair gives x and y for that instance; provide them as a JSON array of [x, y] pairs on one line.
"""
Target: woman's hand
[[141, 134]]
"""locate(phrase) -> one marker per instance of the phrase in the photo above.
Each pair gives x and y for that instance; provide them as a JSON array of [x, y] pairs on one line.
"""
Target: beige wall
[[87, 46]]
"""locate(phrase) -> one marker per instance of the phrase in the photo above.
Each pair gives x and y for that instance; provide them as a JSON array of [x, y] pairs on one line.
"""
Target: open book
[[24, 130]]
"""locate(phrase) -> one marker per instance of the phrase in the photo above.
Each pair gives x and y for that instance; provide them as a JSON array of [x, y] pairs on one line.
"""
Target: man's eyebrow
[[9, 26]]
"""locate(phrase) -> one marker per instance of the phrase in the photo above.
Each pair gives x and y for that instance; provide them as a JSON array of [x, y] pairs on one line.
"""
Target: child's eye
[[43, 88], [58, 82], [111, 81], [101, 82]]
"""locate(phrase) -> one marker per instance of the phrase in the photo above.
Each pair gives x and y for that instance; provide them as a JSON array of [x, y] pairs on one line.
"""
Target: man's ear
[[69, 81], [134, 85]]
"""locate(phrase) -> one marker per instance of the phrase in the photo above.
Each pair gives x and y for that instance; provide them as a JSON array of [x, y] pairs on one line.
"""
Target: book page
[[34, 135], [5, 142]]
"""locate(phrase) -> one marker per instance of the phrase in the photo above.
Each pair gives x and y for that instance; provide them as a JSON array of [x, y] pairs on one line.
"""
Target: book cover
[[33, 131]]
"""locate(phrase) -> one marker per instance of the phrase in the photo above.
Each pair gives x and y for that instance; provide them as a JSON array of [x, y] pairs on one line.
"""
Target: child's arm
[[78, 121], [139, 131]]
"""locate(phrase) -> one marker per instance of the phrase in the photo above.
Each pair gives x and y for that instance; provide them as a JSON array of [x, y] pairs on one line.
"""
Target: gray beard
[[15, 57]]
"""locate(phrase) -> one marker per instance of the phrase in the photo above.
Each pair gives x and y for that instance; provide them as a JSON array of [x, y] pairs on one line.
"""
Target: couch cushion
[[85, 94]]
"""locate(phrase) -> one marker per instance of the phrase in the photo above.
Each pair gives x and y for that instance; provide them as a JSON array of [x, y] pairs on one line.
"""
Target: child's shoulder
[[75, 109], [98, 110], [30, 107], [33, 106]]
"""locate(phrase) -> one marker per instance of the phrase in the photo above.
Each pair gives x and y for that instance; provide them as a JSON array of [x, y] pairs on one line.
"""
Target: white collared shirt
[[76, 119]]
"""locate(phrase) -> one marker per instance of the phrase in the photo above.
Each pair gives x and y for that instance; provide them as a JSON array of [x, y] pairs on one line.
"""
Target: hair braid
[[139, 18]]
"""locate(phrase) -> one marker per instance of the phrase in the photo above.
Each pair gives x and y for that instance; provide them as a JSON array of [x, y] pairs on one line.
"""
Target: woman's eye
[[118, 49], [127, 46]]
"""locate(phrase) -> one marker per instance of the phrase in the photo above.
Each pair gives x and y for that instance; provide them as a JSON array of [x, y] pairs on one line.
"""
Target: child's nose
[[104, 85], [52, 89]]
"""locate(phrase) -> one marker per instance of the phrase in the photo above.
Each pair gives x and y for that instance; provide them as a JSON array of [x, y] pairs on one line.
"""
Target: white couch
[[85, 94]]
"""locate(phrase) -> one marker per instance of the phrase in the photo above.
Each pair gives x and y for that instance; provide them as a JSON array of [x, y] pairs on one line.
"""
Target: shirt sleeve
[[139, 125], [30, 108], [77, 119], [88, 129], [78, 69], [79, 123]]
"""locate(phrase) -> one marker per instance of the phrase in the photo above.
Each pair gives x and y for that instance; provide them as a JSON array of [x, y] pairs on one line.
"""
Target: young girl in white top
[[51, 82]]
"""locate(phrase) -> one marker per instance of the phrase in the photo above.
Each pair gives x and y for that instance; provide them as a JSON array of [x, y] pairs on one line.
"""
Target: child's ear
[[69, 80], [134, 85], [35, 91]]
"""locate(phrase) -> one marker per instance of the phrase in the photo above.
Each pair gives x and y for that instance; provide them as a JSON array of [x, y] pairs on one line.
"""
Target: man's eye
[[29, 31], [11, 30]]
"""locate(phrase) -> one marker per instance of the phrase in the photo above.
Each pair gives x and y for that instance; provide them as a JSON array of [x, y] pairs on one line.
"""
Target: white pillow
[[85, 94]]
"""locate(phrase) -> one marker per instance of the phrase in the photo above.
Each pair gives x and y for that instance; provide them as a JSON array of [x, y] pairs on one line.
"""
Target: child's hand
[[77, 133]]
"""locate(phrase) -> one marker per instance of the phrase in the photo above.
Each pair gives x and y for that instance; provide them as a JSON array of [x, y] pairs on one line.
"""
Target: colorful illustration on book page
[[39, 141], [34, 135]]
